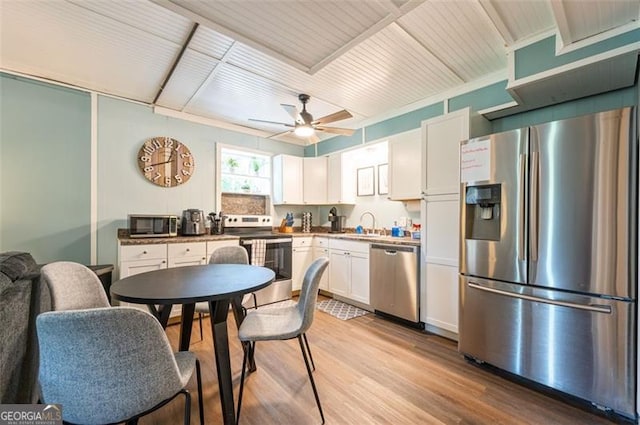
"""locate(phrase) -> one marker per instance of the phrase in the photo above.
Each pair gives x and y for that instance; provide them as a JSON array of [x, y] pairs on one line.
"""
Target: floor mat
[[342, 311]]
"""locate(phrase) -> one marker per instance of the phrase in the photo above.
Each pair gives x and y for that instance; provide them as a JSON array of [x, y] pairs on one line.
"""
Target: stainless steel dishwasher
[[394, 272]]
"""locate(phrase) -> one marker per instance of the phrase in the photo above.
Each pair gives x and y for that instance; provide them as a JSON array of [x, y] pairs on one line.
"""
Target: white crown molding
[[531, 40], [498, 108], [629, 48], [209, 121], [562, 48], [93, 231]]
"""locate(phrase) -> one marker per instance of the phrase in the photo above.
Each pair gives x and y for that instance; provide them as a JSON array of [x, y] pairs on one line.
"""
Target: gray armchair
[[109, 365], [286, 323], [224, 255], [73, 286]]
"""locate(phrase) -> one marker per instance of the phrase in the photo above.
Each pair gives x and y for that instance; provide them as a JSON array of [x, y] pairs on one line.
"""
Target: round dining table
[[221, 285]]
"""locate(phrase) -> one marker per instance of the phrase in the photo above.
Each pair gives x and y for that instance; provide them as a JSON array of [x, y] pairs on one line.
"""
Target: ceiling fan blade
[[336, 116], [336, 130], [313, 139], [271, 122], [293, 111], [273, 136]]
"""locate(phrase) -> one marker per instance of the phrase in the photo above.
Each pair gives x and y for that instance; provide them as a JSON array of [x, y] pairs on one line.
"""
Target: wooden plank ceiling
[[247, 57]]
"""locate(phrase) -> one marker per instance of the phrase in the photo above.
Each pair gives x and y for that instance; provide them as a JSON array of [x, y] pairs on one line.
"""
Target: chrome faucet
[[373, 218]]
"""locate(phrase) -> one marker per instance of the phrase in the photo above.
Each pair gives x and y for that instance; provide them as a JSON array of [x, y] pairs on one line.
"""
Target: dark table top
[[184, 285]]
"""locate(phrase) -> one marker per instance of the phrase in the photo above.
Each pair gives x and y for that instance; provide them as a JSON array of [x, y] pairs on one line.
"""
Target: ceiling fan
[[305, 126]]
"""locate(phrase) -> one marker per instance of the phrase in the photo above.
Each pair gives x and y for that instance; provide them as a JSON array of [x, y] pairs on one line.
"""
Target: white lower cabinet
[[135, 259], [360, 276], [321, 249], [349, 270], [339, 272], [301, 259], [186, 254], [442, 297], [130, 268]]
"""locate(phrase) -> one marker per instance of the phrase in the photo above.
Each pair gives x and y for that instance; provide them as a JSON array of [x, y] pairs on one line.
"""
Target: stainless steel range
[[265, 248]]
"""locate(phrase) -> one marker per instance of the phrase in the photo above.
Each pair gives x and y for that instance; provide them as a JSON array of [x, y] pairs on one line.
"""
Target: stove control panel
[[233, 220]]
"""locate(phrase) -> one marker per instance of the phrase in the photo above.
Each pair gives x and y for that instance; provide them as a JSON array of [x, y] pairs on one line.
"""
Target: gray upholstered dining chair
[[73, 286], [109, 365], [286, 323], [225, 255]]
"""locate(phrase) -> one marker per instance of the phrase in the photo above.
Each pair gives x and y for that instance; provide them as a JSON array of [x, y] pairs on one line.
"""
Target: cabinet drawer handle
[[164, 261], [144, 252], [188, 249], [204, 258]]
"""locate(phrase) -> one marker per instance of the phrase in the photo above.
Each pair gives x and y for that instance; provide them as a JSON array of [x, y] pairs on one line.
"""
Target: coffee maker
[[337, 221]]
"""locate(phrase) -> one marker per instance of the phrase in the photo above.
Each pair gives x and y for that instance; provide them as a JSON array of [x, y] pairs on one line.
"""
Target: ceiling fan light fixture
[[304, 130]]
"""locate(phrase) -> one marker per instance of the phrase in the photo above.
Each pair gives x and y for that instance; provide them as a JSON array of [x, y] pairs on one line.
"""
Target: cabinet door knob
[[188, 249], [164, 261], [144, 252]]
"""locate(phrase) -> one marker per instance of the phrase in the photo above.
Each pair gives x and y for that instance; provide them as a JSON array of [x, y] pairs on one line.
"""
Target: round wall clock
[[165, 161]]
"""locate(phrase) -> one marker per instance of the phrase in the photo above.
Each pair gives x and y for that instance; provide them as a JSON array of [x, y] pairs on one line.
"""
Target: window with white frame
[[244, 172]]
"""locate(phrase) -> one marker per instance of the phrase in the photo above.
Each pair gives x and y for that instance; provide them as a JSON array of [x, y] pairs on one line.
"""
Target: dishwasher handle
[[393, 249]]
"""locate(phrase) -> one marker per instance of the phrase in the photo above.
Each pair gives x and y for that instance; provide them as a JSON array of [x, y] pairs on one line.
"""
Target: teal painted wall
[[485, 97], [45, 170], [122, 189], [45, 174], [540, 56], [402, 123]]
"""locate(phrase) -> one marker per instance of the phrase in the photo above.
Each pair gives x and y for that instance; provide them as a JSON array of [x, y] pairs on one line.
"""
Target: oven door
[[277, 258]]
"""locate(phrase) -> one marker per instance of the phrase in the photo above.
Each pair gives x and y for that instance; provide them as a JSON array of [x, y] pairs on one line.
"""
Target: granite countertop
[[360, 237], [123, 237]]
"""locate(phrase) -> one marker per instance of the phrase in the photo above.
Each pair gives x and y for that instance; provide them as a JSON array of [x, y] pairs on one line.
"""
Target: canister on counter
[[306, 222]]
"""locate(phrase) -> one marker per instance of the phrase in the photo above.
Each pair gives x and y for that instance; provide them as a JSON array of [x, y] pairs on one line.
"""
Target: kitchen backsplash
[[237, 203]]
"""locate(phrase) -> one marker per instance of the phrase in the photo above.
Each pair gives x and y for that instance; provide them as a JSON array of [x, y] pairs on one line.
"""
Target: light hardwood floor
[[368, 371]]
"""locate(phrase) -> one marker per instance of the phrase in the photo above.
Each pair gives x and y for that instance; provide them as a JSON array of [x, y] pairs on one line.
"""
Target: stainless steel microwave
[[152, 226]]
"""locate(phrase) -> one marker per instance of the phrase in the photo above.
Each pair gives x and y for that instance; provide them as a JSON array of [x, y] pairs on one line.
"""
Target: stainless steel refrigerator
[[548, 255]]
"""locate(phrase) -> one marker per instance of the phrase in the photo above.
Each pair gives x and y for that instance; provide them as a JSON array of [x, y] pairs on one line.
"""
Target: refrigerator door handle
[[521, 207], [589, 307], [533, 217]]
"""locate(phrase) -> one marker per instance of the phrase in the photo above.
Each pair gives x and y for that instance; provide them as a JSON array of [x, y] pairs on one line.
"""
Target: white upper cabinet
[[341, 178], [315, 182], [287, 180], [405, 165], [441, 151]]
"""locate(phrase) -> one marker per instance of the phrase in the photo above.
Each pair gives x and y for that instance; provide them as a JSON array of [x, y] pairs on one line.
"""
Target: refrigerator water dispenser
[[483, 212]]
